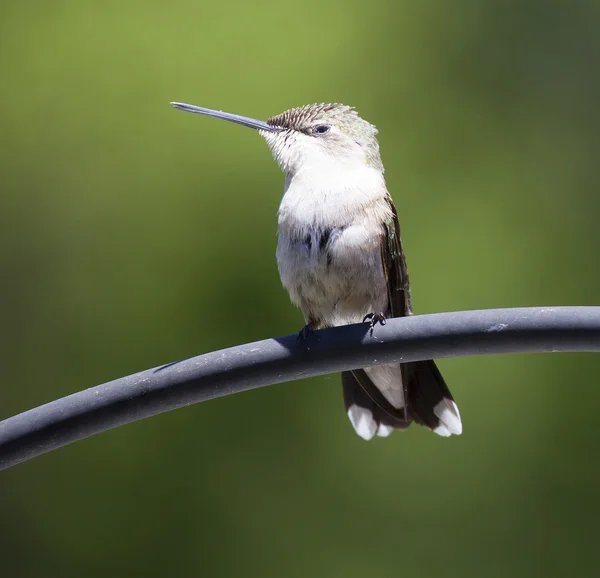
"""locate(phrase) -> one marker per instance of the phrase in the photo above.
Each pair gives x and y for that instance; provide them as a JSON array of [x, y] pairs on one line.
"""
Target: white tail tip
[[449, 416], [384, 431], [362, 421]]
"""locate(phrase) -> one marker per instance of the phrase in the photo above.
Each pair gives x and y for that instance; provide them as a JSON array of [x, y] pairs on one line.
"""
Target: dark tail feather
[[368, 410], [427, 398]]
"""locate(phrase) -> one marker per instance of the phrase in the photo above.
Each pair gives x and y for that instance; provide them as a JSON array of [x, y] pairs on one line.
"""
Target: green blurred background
[[132, 235]]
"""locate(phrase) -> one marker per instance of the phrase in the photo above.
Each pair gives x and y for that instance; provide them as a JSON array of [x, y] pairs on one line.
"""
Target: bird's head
[[317, 135]]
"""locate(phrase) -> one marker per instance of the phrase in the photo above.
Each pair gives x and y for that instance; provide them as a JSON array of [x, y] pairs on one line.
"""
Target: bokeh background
[[132, 234]]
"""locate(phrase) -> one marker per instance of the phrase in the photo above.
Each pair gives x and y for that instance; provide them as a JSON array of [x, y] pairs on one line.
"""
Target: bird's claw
[[374, 319], [306, 334]]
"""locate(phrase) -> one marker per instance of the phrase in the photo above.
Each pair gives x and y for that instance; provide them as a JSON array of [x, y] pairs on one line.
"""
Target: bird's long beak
[[243, 120]]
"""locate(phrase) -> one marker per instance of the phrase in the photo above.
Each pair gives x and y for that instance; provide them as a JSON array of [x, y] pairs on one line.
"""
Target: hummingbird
[[340, 256]]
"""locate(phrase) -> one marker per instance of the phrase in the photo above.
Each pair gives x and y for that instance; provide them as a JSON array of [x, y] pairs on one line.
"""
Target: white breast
[[328, 251]]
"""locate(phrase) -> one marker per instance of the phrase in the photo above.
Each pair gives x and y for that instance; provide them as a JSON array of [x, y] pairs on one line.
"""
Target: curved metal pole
[[154, 391]]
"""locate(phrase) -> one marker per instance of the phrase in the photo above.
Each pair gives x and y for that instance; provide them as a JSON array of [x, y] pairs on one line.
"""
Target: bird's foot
[[307, 334], [374, 319]]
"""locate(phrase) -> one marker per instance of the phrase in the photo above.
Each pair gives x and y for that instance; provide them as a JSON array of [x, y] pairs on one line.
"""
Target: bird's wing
[[380, 413], [394, 267], [427, 399]]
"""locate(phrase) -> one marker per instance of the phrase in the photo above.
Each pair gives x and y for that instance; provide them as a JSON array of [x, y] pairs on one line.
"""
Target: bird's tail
[[418, 393]]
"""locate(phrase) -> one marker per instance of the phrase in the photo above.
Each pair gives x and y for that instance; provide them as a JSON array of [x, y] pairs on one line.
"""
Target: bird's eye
[[321, 129]]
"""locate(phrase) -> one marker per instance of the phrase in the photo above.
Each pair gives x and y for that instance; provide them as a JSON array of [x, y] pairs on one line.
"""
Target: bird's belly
[[334, 275]]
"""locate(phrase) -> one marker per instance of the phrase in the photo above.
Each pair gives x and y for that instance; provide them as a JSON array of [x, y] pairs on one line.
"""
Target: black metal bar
[[154, 391]]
